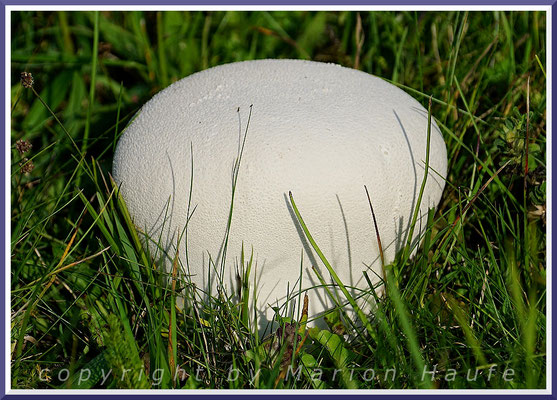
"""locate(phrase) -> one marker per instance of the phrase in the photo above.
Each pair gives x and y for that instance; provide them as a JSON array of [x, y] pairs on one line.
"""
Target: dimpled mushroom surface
[[319, 130]]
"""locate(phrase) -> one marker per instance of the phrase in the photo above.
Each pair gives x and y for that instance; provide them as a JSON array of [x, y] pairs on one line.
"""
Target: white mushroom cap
[[319, 130]]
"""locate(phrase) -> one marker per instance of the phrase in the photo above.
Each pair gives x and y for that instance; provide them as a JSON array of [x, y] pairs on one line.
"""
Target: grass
[[87, 296]]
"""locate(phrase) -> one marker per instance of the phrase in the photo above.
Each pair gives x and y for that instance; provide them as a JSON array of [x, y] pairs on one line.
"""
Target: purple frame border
[[285, 2], [3, 116]]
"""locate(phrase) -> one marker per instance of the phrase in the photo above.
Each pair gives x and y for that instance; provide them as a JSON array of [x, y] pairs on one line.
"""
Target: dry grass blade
[[172, 321], [360, 36], [78, 262], [381, 254], [304, 316], [286, 39], [72, 239]]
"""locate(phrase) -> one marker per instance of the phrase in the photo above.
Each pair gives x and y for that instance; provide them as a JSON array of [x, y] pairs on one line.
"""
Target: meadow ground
[[86, 298]]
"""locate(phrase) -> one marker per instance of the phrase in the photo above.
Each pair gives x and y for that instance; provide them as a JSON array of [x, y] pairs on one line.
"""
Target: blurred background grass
[[479, 301]]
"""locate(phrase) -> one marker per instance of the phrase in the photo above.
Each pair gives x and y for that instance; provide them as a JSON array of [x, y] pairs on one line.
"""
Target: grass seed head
[[27, 80], [26, 165], [23, 146]]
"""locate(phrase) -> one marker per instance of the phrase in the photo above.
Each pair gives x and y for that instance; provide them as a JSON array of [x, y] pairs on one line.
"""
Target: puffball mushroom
[[320, 131]]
